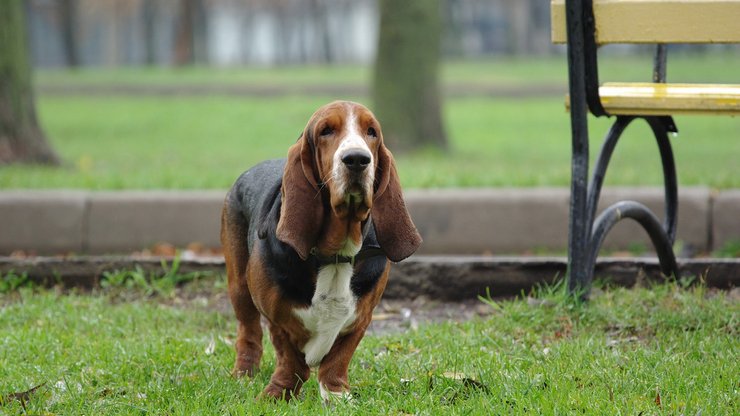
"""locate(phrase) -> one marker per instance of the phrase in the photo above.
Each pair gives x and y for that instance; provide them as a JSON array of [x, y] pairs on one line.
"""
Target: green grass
[[192, 142], [719, 66], [159, 142], [661, 350]]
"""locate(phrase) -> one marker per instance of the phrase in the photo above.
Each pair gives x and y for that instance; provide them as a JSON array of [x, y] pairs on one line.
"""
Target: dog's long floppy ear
[[302, 211], [395, 231]]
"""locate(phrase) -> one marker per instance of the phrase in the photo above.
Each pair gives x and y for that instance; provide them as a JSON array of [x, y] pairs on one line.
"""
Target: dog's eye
[[371, 132], [326, 131]]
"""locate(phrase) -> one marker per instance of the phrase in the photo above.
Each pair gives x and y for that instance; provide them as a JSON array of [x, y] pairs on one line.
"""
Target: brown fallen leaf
[[657, 397], [466, 386], [109, 392], [466, 381], [164, 249], [22, 396]]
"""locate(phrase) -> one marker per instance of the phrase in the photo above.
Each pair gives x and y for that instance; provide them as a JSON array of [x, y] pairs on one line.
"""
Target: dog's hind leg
[[236, 254]]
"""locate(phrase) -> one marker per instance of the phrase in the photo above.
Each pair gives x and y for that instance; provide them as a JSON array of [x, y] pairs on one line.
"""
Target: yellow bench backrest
[[657, 21]]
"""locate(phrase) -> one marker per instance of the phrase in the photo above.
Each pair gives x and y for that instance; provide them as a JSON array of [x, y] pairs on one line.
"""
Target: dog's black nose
[[356, 160]]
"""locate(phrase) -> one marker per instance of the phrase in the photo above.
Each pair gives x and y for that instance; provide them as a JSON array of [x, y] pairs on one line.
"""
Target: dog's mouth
[[354, 202], [356, 189]]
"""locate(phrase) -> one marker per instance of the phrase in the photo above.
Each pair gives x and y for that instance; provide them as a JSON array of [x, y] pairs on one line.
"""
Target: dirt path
[[390, 317]]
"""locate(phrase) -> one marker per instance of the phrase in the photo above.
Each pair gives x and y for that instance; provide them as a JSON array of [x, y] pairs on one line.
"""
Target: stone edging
[[452, 221]]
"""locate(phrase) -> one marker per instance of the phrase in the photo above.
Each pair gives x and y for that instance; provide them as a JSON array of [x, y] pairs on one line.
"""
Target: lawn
[[718, 66], [658, 350], [152, 141]]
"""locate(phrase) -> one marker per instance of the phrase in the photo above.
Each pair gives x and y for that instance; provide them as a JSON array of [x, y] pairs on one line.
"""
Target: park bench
[[585, 25]]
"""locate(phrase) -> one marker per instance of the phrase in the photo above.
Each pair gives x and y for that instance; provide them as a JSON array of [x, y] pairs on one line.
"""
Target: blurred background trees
[[111, 74], [21, 138], [406, 87], [408, 38], [265, 32], [190, 32]]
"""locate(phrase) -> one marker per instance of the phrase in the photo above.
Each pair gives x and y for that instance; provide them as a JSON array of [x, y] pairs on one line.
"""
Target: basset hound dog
[[308, 243]]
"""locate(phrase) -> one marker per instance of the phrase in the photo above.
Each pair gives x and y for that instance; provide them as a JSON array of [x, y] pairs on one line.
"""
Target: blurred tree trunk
[[406, 81], [21, 138], [320, 17], [518, 15], [149, 18], [68, 16], [190, 33]]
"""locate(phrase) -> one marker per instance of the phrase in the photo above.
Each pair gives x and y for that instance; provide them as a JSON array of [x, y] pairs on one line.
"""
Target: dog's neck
[[340, 236]]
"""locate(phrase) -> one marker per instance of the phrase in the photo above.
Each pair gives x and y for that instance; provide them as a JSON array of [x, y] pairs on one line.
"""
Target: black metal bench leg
[[642, 214], [579, 223], [585, 237], [579, 275], [662, 236], [602, 163], [579, 229], [661, 126]]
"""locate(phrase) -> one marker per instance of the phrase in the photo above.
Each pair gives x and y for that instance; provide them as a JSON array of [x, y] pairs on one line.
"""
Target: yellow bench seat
[[648, 98]]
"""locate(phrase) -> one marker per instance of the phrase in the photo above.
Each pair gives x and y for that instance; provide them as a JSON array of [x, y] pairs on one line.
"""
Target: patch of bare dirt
[[391, 316]]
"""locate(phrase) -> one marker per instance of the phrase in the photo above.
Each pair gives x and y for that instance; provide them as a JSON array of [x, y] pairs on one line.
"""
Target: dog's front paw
[[275, 392], [245, 366], [330, 396]]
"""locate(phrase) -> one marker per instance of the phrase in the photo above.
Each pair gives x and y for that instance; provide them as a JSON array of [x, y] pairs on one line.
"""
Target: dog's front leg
[[291, 370], [333, 378]]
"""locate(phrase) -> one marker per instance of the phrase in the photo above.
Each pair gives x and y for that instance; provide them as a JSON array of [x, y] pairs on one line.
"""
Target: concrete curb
[[452, 221], [444, 278]]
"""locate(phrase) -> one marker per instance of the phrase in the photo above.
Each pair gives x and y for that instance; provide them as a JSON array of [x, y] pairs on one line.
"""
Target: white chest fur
[[332, 310]]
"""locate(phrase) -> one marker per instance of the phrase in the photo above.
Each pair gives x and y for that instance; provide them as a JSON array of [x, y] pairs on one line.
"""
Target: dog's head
[[341, 152], [345, 138]]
